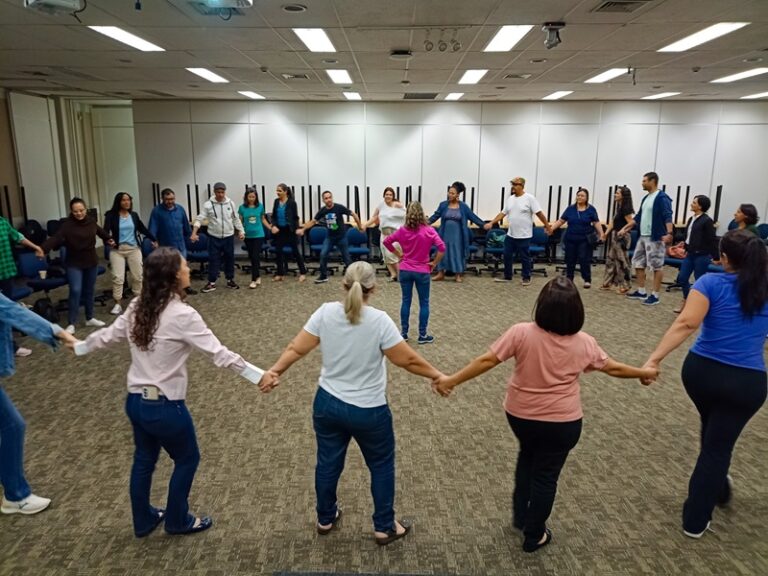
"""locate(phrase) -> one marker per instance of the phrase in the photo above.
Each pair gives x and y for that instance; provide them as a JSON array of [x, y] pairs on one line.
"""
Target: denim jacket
[[13, 315]]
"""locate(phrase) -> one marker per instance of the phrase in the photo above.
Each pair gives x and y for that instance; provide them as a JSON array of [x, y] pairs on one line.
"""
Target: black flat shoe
[[159, 517], [392, 535], [205, 523], [325, 531], [529, 546]]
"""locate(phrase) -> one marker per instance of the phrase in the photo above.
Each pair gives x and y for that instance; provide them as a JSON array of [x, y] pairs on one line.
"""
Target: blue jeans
[[336, 423], [698, 264], [580, 251], [421, 280], [82, 285], [12, 429], [163, 424], [328, 244], [217, 247], [519, 246]]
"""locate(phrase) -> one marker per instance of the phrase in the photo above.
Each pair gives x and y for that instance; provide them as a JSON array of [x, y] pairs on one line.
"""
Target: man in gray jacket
[[221, 214]]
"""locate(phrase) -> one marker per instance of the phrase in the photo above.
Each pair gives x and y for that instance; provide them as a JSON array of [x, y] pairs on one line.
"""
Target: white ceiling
[[59, 56]]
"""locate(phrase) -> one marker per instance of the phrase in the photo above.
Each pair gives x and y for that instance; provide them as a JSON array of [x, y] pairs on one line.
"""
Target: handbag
[[593, 239]]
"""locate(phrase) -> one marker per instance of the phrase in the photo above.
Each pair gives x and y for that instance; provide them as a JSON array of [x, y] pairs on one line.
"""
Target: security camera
[[552, 33]]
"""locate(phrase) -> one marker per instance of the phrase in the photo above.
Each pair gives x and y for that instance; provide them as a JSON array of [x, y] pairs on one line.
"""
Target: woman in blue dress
[[454, 230]]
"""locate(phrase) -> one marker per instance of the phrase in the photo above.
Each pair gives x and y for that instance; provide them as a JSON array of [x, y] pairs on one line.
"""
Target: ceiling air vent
[[419, 95], [295, 76], [223, 12], [158, 93], [621, 6], [517, 76]]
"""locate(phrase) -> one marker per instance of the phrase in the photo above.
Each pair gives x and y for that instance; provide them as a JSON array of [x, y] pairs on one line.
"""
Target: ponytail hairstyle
[[414, 216], [287, 189], [359, 281], [161, 268], [747, 256], [750, 214]]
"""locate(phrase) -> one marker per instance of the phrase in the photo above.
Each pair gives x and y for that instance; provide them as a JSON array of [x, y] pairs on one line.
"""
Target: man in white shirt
[[221, 214], [519, 209]]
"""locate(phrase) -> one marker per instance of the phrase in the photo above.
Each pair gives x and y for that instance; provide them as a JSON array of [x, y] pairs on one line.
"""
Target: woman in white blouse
[[389, 215], [351, 402], [162, 331]]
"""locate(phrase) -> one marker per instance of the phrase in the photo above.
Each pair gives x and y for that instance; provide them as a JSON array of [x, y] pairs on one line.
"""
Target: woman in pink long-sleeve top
[[416, 240], [162, 331]]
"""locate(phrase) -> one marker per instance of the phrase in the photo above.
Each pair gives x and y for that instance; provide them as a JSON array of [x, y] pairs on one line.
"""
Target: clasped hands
[[269, 381]]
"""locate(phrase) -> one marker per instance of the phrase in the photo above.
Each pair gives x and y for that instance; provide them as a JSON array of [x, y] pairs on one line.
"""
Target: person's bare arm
[[403, 356]]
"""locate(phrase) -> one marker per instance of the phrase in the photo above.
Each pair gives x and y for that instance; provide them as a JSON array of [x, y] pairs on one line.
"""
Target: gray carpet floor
[[620, 494]]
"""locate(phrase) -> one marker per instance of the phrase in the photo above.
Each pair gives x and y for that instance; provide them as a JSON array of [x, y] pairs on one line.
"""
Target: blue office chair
[[358, 244]]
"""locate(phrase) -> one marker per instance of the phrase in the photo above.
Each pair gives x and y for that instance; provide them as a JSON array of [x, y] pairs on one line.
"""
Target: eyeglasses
[[517, 183]]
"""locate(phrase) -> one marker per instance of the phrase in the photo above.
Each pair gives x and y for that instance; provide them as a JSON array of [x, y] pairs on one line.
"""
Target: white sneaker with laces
[[95, 322], [70, 328], [116, 310], [30, 505]]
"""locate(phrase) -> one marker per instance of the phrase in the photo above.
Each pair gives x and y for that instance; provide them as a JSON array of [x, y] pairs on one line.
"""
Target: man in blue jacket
[[170, 225], [654, 223]]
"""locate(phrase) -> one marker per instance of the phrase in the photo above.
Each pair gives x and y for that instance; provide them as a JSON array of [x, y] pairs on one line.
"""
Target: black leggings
[[544, 448], [287, 237], [726, 397], [254, 254]]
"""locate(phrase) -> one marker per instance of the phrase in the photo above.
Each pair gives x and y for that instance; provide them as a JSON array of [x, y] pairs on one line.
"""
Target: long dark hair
[[559, 308], [116, 202], [747, 256], [625, 204], [248, 190], [750, 214], [161, 268], [287, 189]]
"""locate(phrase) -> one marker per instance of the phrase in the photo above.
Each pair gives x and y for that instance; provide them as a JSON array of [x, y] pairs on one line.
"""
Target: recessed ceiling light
[[661, 95], [454, 95], [315, 39], [208, 75], [339, 76], [352, 96], [558, 95], [702, 36], [472, 76], [755, 96], [607, 75], [251, 95], [506, 38], [294, 8], [127, 38], [741, 75]]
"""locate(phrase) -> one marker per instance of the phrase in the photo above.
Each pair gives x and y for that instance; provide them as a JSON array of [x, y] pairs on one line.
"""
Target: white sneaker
[[30, 505], [70, 328], [95, 322], [116, 310], [22, 352], [697, 535]]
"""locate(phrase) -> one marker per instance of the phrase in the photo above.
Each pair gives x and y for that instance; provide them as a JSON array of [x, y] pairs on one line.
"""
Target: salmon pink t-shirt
[[545, 383]]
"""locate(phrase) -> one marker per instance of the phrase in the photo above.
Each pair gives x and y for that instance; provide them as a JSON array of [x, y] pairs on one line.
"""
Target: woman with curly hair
[[162, 331], [416, 240]]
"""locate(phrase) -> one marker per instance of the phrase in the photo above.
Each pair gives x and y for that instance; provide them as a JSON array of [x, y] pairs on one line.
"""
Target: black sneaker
[[428, 339], [405, 336], [321, 280], [210, 287], [191, 291], [231, 284]]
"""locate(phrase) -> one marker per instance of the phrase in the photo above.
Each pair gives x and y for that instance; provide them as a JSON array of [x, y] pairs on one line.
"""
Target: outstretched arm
[[480, 365], [406, 357], [301, 345]]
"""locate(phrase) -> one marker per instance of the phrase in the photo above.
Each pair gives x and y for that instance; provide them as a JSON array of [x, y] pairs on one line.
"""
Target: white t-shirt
[[520, 211], [354, 369], [391, 216]]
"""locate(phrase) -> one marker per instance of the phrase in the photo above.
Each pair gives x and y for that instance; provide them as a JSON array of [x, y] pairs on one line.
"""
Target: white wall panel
[[505, 153], [741, 167], [744, 113], [164, 155], [570, 112], [567, 156], [336, 159], [279, 155], [450, 153], [222, 154], [278, 112], [392, 158], [685, 113], [394, 113], [116, 164], [203, 111], [630, 113], [112, 116], [154, 111], [453, 113], [685, 157], [512, 113], [336, 113], [625, 153]]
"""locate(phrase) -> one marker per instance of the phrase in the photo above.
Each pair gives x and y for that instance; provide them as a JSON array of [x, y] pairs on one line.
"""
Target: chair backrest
[[52, 226], [200, 246], [732, 225], [30, 265], [317, 234], [356, 238], [495, 238], [762, 230], [539, 236], [34, 232], [146, 247]]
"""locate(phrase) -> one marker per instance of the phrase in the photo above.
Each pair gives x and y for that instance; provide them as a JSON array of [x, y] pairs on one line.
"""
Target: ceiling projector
[[55, 6]]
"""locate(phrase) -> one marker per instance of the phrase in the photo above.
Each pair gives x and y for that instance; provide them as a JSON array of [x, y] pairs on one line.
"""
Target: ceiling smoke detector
[[293, 8], [400, 55]]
